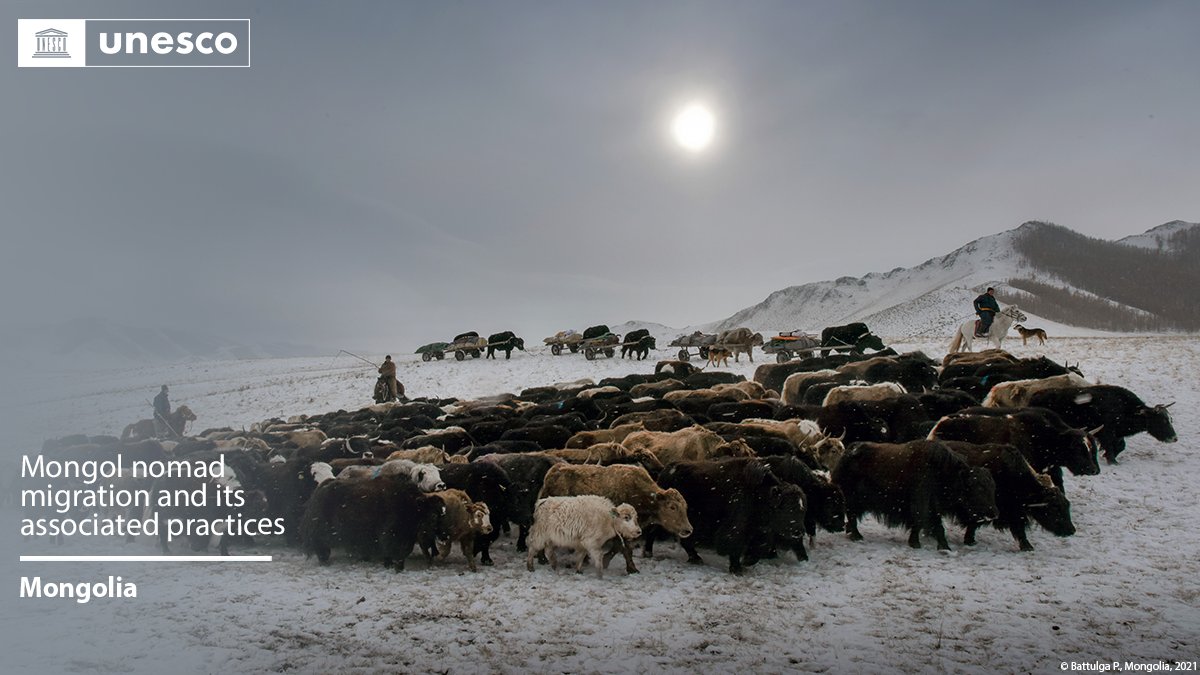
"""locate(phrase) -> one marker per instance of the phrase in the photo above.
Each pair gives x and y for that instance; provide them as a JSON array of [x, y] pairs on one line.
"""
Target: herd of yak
[[746, 468]]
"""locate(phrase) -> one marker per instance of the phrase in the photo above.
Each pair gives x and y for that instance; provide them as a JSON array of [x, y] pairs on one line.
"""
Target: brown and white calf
[[462, 520]]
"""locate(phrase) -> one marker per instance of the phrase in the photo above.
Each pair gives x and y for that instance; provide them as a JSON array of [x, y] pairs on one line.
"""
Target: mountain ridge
[[934, 296]]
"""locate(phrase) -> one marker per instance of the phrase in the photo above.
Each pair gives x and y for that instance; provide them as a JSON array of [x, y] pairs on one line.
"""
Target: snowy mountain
[[1162, 238], [1034, 266]]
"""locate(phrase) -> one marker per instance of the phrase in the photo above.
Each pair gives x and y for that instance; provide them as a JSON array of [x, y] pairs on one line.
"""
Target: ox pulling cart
[[601, 344], [599, 340], [592, 342], [701, 341], [792, 343]]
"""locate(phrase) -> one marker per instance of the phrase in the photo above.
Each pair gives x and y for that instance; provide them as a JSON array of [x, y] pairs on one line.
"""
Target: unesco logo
[[133, 43], [51, 44]]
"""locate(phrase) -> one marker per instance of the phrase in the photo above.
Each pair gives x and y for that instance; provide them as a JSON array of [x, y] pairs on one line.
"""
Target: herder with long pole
[[392, 389]]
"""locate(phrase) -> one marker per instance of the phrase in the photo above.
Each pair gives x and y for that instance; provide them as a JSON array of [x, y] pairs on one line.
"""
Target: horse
[[1004, 320], [143, 429], [1027, 333]]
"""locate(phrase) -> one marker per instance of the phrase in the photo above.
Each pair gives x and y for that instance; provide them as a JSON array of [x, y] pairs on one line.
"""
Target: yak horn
[[1168, 405], [1096, 430]]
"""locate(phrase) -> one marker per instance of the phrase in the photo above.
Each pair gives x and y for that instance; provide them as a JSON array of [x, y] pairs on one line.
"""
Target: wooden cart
[[701, 341], [791, 344], [433, 350], [566, 339]]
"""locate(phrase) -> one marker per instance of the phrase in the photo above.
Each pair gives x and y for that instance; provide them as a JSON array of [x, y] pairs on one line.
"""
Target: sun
[[693, 127]]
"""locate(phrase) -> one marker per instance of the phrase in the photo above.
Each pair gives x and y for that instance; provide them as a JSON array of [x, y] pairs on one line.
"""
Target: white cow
[[425, 476], [1017, 393], [583, 523], [863, 392]]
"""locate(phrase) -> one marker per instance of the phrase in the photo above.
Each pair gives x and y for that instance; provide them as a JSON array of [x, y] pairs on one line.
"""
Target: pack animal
[[853, 337], [740, 340], [504, 342]]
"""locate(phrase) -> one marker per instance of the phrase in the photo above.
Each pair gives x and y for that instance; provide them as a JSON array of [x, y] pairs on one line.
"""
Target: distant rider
[[162, 412], [986, 307]]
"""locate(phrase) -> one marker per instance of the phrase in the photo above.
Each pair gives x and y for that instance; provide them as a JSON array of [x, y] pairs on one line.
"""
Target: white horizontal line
[[145, 558]]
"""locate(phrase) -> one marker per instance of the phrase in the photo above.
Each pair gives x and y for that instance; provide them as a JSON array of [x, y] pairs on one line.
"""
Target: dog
[[719, 355], [1027, 333]]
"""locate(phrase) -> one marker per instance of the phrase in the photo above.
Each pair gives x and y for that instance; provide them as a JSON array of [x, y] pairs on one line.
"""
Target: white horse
[[1004, 320]]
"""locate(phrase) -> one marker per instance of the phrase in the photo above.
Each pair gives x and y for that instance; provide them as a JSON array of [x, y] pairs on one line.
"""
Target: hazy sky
[[389, 174]]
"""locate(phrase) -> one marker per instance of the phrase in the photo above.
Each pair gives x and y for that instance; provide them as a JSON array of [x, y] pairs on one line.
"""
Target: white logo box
[[75, 39]]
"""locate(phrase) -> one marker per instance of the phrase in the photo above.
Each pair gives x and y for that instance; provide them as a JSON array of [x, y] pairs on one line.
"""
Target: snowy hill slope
[[1159, 238], [925, 300], [932, 295]]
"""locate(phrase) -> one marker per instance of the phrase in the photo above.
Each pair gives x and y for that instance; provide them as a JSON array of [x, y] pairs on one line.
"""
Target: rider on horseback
[[388, 388], [162, 412], [986, 307]]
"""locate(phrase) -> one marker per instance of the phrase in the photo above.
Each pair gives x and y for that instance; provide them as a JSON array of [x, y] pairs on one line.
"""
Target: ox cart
[[701, 341], [467, 344], [599, 340], [603, 344], [464, 345], [566, 339], [433, 350], [790, 344]]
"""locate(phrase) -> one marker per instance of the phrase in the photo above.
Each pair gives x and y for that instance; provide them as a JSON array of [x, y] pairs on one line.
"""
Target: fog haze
[[390, 174]]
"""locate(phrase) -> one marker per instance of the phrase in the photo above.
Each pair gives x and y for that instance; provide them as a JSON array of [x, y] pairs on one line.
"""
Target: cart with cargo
[[790, 344], [564, 339], [700, 341]]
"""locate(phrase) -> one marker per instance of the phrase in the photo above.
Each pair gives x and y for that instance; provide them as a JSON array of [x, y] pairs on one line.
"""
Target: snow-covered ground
[[1123, 588]]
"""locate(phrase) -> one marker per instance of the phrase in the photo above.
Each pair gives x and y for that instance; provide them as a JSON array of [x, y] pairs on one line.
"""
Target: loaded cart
[[433, 350], [790, 344], [604, 344], [599, 340], [564, 338], [467, 344], [701, 341]]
